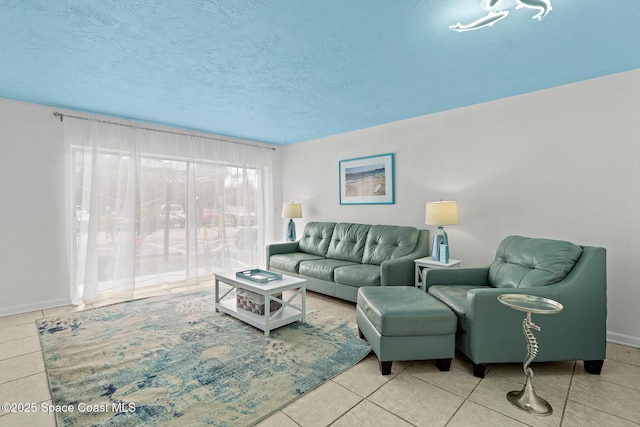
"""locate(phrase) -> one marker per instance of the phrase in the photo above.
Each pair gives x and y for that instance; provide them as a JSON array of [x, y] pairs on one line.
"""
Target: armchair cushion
[[523, 262], [455, 296]]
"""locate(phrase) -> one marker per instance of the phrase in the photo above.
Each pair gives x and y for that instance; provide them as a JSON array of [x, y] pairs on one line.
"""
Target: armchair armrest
[[484, 304], [492, 329], [476, 276], [280, 248]]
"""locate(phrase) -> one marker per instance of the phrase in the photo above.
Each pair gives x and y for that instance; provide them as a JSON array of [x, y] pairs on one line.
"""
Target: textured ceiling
[[284, 71]]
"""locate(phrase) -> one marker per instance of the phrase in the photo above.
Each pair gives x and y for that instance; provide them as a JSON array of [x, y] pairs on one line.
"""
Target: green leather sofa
[[337, 259], [489, 332]]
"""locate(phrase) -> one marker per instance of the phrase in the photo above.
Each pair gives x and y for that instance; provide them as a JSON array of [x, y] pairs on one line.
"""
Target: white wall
[[563, 163], [32, 226]]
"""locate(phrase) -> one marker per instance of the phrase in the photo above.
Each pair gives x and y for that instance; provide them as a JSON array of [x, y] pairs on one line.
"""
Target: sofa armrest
[[476, 276], [400, 271], [280, 248], [397, 272]]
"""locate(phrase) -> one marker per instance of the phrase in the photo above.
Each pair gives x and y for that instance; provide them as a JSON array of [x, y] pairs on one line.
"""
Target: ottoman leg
[[443, 364], [593, 366], [478, 370], [385, 368]]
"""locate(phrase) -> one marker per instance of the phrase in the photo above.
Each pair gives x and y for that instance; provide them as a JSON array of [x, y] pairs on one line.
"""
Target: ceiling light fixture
[[497, 12]]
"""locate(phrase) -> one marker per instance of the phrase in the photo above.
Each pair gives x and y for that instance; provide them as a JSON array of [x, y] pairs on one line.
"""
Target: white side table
[[424, 264]]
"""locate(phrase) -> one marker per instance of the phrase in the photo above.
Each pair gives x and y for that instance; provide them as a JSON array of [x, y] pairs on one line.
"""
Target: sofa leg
[[479, 369], [385, 368], [443, 364], [593, 366]]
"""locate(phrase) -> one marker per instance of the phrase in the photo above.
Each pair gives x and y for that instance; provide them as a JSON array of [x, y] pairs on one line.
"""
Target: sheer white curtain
[[150, 207]]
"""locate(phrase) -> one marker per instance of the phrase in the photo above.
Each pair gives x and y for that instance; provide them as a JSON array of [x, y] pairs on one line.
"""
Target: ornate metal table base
[[527, 399]]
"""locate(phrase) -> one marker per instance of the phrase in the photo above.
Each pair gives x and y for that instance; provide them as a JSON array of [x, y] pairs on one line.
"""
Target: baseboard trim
[[40, 305], [623, 339]]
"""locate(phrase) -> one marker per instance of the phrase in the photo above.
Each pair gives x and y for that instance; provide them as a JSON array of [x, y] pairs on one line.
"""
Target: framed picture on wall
[[367, 180]]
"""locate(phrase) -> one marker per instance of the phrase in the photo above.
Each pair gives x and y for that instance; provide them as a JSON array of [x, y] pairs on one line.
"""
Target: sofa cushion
[[523, 262], [291, 261], [405, 311], [358, 275], [347, 242], [454, 297], [321, 268], [386, 242], [316, 237]]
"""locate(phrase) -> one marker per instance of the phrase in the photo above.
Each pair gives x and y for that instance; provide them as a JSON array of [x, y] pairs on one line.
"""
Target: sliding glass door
[[148, 218]]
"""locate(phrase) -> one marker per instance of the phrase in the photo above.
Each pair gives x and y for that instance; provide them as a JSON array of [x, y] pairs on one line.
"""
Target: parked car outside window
[[176, 216], [237, 216]]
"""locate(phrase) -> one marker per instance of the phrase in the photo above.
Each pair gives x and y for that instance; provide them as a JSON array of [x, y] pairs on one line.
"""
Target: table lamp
[[441, 213], [291, 210]]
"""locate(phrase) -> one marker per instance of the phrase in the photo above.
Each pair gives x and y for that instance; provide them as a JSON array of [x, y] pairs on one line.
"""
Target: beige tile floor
[[415, 394]]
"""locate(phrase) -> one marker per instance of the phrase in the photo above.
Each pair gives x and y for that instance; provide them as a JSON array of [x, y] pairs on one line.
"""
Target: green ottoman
[[406, 323]]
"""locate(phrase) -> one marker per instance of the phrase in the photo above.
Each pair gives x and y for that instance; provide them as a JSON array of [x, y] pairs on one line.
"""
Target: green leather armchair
[[489, 332]]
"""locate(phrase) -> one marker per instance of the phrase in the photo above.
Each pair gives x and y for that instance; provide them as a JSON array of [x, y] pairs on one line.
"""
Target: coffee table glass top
[[530, 303]]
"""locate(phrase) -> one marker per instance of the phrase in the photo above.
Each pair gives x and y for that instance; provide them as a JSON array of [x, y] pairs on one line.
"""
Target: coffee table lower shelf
[[288, 315]]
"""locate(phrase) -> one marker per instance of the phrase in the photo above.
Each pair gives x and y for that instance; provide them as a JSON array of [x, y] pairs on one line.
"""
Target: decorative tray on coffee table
[[258, 275]]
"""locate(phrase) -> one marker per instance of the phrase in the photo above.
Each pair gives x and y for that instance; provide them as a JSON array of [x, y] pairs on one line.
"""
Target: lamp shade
[[442, 213], [292, 210]]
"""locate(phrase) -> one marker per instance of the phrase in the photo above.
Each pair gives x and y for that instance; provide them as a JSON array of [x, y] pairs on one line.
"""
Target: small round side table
[[527, 399]]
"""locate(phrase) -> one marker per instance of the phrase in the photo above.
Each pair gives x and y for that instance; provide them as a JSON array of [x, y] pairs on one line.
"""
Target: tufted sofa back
[[316, 238], [523, 262], [348, 241], [386, 242], [361, 243]]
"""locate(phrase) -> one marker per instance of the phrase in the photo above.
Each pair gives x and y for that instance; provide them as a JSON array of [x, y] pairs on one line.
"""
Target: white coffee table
[[289, 312]]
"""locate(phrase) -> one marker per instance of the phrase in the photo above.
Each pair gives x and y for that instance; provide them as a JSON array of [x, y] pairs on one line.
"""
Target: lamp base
[[291, 231], [439, 238]]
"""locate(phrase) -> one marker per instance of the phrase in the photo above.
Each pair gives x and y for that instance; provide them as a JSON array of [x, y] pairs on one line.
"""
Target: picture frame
[[367, 180]]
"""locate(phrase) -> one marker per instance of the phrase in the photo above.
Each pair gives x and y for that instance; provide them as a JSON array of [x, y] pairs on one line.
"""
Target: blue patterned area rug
[[173, 360]]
